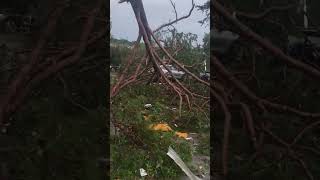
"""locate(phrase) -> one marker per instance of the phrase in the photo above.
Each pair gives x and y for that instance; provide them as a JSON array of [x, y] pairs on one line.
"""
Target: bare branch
[[177, 19], [264, 43], [174, 8], [266, 12]]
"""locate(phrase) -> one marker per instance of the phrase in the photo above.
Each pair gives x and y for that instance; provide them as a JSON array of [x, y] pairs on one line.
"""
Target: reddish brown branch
[[18, 99], [291, 153], [304, 130], [246, 31], [226, 134], [257, 100], [265, 12], [248, 119], [24, 75]]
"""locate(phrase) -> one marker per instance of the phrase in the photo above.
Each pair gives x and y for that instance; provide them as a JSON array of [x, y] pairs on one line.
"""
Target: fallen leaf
[[182, 135]]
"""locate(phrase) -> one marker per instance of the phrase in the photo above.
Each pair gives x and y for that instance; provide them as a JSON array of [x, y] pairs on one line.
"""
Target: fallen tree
[[152, 56]]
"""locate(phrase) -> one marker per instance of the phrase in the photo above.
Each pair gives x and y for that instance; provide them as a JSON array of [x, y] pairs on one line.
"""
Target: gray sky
[[158, 12]]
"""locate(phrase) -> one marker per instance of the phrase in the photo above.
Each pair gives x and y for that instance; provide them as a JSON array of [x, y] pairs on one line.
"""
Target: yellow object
[[161, 127], [165, 128], [182, 135]]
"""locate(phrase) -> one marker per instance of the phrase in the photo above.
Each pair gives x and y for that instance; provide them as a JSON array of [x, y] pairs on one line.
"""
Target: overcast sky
[[158, 12]]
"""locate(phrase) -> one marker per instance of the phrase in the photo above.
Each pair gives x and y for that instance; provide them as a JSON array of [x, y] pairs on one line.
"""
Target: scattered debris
[[148, 106], [164, 127], [143, 172], [173, 155], [161, 127], [182, 135]]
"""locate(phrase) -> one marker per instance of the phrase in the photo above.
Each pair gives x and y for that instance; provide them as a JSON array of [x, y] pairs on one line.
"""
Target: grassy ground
[[128, 155]]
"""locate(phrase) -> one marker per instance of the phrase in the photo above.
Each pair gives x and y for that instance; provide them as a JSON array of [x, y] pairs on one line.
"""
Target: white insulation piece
[[173, 155]]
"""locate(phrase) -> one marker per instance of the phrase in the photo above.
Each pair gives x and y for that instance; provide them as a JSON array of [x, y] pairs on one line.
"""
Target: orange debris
[[182, 135], [161, 127]]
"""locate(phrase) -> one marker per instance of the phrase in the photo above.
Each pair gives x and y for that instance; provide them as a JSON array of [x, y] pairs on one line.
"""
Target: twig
[[304, 130], [177, 19]]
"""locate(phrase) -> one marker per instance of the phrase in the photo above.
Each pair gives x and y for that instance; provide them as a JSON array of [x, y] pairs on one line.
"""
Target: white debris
[[148, 105], [173, 155], [189, 138], [175, 125], [143, 172]]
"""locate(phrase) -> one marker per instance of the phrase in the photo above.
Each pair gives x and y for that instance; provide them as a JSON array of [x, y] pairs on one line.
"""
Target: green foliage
[[153, 159], [204, 144], [120, 49], [190, 52], [280, 84], [51, 137], [52, 144], [128, 108], [206, 44], [118, 55]]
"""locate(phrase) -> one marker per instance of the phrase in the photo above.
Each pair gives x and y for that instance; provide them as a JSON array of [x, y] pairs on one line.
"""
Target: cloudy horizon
[[124, 25]]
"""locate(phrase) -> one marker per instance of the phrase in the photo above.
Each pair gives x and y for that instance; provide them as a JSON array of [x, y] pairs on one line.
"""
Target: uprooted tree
[[148, 68], [152, 57], [262, 90], [145, 72]]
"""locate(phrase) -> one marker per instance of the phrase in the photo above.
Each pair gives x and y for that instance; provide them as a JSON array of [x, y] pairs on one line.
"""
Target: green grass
[[128, 157], [53, 144]]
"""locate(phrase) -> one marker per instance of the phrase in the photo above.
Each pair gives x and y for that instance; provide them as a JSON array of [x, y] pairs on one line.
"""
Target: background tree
[[53, 103], [267, 111]]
